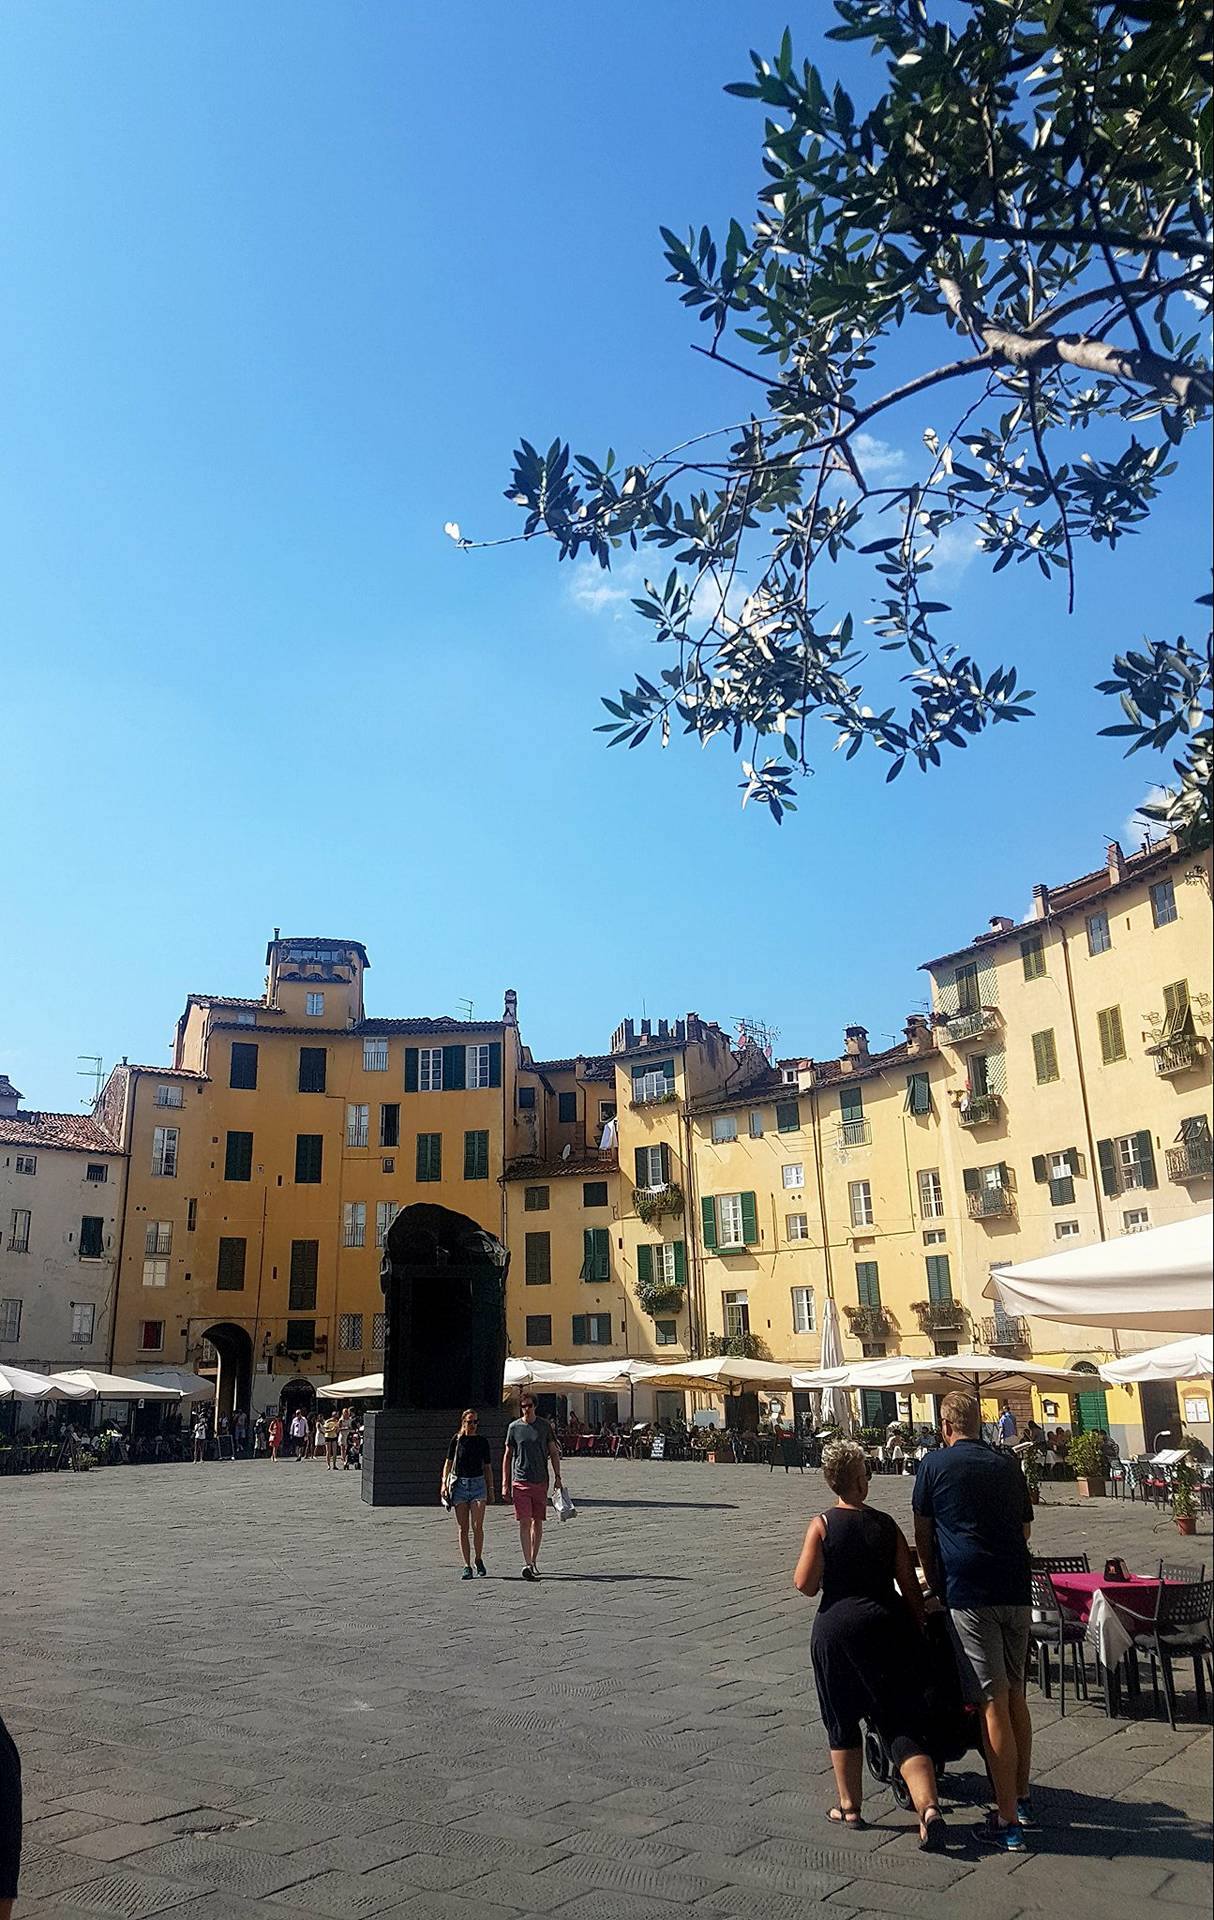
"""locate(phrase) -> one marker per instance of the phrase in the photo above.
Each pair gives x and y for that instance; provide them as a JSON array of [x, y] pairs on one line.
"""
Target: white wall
[[51, 1276]]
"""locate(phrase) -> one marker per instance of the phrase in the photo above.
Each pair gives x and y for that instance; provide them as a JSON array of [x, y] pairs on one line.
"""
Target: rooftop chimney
[[1116, 863], [510, 1012], [918, 1033], [855, 1040], [1000, 923], [1041, 901], [10, 1099]]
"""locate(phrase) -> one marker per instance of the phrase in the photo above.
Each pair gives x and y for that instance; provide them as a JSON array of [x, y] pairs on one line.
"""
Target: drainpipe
[[1089, 1135], [128, 1105], [696, 1294]]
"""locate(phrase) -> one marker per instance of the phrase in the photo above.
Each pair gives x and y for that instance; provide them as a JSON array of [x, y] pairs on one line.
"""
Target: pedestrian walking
[[277, 1435], [1006, 1426], [530, 1450], [867, 1645], [240, 1430], [345, 1427], [200, 1438], [316, 1437], [972, 1520], [465, 1484], [300, 1431], [10, 1821], [329, 1429], [261, 1436]]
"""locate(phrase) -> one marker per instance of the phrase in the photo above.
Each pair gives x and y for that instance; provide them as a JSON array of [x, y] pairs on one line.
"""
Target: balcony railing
[[973, 1024], [867, 1323], [979, 1110], [654, 1097], [1192, 1161], [939, 1316], [854, 1133], [652, 1202], [1005, 1331], [991, 1203], [1173, 1057]]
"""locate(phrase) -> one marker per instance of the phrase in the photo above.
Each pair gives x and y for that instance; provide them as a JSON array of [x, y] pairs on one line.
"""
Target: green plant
[[1181, 1490], [1031, 1465], [939, 1313], [1086, 1454], [652, 1202], [737, 1346], [658, 1297]]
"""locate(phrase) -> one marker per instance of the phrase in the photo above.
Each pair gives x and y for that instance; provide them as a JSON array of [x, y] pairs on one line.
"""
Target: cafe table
[[1112, 1610]]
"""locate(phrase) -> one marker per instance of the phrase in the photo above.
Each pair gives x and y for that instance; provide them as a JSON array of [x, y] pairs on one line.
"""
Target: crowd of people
[[331, 1434]]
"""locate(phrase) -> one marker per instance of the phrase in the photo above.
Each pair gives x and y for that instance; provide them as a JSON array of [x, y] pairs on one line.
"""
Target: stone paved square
[[242, 1695]]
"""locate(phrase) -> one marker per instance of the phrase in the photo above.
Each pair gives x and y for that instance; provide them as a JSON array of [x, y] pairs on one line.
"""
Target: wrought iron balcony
[[867, 1323], [1005, 1330], [854, 1133], [652, 1202], [991, 1203], [1192, 1161], [939, 1316], [979, 1110], [1173, 1057], [973, 1024], [654, 1097]]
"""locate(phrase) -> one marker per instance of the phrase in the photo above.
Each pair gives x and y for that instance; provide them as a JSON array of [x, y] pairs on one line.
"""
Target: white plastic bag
[[563, 1502]]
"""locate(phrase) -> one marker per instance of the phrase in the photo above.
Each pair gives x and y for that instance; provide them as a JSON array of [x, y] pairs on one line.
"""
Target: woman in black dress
[[10, 1821], [866, 1641]]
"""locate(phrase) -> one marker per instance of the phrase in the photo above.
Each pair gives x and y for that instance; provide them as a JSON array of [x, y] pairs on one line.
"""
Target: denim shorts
[[469, 1486]]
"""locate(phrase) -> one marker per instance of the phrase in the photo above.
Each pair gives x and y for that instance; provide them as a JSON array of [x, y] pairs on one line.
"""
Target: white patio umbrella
[[19, 1383], [1191, 1359], [836, 1407], [191, 1386], [943, 1373], [1160, 1281], [366, 1386], [115, 1386], [721, 1373]]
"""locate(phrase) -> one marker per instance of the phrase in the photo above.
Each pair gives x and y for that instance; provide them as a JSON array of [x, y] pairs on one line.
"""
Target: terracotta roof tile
[[77, 1132]]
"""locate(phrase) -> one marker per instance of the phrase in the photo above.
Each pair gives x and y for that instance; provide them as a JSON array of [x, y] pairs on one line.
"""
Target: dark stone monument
[[444, 1282]]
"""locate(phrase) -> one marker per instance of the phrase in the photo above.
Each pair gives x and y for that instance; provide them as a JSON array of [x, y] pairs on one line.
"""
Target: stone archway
[[234, 1374], [297, 1394]]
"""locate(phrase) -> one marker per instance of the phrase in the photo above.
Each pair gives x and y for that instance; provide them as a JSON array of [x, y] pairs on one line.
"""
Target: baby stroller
[[954, 1727]]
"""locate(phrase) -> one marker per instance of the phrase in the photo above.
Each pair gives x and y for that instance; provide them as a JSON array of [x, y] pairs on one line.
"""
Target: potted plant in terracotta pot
[[1086, 1455], [1184, 1505]]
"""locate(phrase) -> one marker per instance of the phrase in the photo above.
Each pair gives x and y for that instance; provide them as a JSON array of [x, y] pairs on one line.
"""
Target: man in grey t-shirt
[[530, 1448]]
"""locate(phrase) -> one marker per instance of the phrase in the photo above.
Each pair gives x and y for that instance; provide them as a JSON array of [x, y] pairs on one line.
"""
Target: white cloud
[[1134, 828], [955, 550], [595, 591], [876, 459]]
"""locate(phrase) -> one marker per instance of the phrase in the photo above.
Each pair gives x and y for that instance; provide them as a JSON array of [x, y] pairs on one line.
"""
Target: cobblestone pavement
[[240, 1693]]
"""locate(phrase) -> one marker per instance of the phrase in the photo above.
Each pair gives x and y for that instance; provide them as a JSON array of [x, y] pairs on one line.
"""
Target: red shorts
[[530, 1499]]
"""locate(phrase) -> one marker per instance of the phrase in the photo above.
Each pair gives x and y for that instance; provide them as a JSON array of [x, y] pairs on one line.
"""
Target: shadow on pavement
[[704, 1506]]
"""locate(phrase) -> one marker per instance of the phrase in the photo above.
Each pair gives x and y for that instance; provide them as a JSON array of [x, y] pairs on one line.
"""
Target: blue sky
[[281, 287]]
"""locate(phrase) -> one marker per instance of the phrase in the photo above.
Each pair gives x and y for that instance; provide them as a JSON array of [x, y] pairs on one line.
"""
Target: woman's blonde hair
[[843, 1464]]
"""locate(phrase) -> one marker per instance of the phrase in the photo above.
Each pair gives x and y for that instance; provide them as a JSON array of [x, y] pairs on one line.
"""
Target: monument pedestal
[[404, 1447]]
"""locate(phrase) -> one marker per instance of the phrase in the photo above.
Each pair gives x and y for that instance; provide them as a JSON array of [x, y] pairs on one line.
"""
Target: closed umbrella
[[836, 1406], [1191, 1359]]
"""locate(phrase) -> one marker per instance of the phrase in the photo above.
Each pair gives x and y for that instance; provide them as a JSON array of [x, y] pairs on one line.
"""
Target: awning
[[1160, 1281], [115, 1386], [366, 1386], [721, 1373], [1191, 1359], [18, 1383], [520, 1372]]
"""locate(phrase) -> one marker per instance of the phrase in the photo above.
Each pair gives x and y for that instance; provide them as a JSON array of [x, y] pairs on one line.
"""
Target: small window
[[19, 1230], [27, 1163], [97, 1173], [755, 1123], [164, 1153], [238, 1157], [314, 1005], [1099, 937], [191, 1215], [167, 1097], [788, 1116], [92, 1237], [1112, 1036], [868, 1283], [652, 1166], [1066, 1230], [158, 1236], [666, 1333], [155, 1273], [918, 1093], [476, 1154], [242, 1067], [245, 1017], [478, 1067], [860, 1202], [429, 1069], [151, 1336], [358, 1124], [1163, 903], [803, 1310], [301, 1286], [389, 1124], [429, 1156], [934, 1237], [1032, 956], [379, 1332], [796, 1226], [350, 1332], [793, 1174], [385, 1213], [931, 1194], [566, 1109], [525, 1099], [724, 1127], [535, 1199], [84, 1319], [537, 1259], [607, 1111], [1045, 1057], [309, 1159], [594, 1193], [735, 1309], [10, 1319], [354, 1224], [375, 1056], [592, 1329], [1136, 1219], [229, 1274], [313, 1069], [301, 1336], [539, 1330]]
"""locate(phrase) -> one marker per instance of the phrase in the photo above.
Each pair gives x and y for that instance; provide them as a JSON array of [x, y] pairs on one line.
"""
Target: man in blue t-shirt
[[972, 1520]]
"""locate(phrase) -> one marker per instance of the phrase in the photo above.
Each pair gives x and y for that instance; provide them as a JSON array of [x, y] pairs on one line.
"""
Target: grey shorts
[[992, 1647]]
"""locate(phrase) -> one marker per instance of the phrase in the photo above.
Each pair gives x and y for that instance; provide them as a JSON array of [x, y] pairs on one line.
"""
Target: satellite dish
[[566, 1150]]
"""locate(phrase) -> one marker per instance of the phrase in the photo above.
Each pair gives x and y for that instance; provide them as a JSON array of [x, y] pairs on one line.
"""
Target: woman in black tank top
[[866, 1641]]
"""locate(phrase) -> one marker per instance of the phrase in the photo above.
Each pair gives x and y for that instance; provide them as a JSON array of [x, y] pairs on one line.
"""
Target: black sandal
[[847, 1817], [933, 1831]]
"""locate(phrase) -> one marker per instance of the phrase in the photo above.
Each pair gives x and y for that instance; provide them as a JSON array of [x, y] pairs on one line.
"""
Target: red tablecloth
[[1136, 1597]]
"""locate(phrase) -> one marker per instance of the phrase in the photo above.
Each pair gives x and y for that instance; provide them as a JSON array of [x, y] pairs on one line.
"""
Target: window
[[934, 1237], [1163, 903], [594, 1193], [860, 1202], [158, 1236], [358, 1121], [238, 1157], [592, 1329], [301, 1336], [354, 1223], [724, 1127], [652, 1165], [389, 1124], [566, 1109], [1045, 1057], [653, 1083], [26, 1163], [191, 1215], [19, 1230], [596, 1254], [793, 1174], [1125, 1163], [429, 1069], [385, 1213], [229, 1273], [666, 1333], [539, 1330], [84, 1319], [535, 1199], [478, 1067], [730, 1220], [1112, 1038], [350, 1332], [314, 1005], [537, 1259], [803, 1310], [931, 1194], [313, 1069], [1032, 956], [1136, 1219], [1066, 1230], [155, 1273], [375, 1057], [525, 1099], [92, 1237], [167, 1097], [755, 1123], [1099, 937], [918, 1093], [97, 1173], [476, 1155], [1177, 1012], [242, 1066], [796, 1226], [868, 1283], [607, 1111], [429, 1156], [151, 1336], [788, 1116], [965, 979], [939, 1279], [1061, 1170], [305, 1260], [164, 1153], [663, 1265], [10, 1319], [735, 1309], [379, 1332]]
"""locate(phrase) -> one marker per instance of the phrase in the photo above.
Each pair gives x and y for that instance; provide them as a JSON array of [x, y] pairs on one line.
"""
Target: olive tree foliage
[[1023, 218]]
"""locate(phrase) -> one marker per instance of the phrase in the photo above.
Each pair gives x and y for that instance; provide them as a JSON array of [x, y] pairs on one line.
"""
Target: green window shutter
[[476, 1156], [495, 1063], [602, 1254], [1112, 1035], [580, 1324], [918, 1093], [851, 1103], [454, 1061], [537, 1259], [939, 1279], [1072, 1160], [587, 1271], [645, 1266], [1110, 1180], [1032, 954], [640, 1165], [1062, 1191], [410, 1069], [868, 1283], [1045, 1056], [429, 1156], [750, 1220], [708, 1210], [1146, 1156], [788, 1116], [680, 1263], [664, 1157], [1041, 1168], [970, 1180]]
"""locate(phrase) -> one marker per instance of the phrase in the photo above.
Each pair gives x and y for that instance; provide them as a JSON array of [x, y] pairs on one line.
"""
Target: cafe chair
[[1052, 1631], [1060, 1563], [1181, 1630], [1185, 1575]]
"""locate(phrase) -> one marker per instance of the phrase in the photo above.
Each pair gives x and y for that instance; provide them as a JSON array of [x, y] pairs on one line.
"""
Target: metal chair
[[1187, 1576], [1182, 1630], [1052, 1629], [1060, 1563]]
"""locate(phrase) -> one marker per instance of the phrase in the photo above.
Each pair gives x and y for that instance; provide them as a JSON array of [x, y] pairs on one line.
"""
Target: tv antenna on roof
[[91, 1072], [467, 1007], [757, 1031]]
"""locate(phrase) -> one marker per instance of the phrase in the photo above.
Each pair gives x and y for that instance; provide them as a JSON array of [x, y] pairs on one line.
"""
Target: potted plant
[[1184, 1506], [1031, 1465], [1086, 1455]]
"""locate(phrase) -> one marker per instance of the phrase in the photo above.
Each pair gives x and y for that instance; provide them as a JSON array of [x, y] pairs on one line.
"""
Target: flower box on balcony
[[939, 1316], [990, 1203], [652, 1202], [867, 1323], [655, 1300], [978, 1109]]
